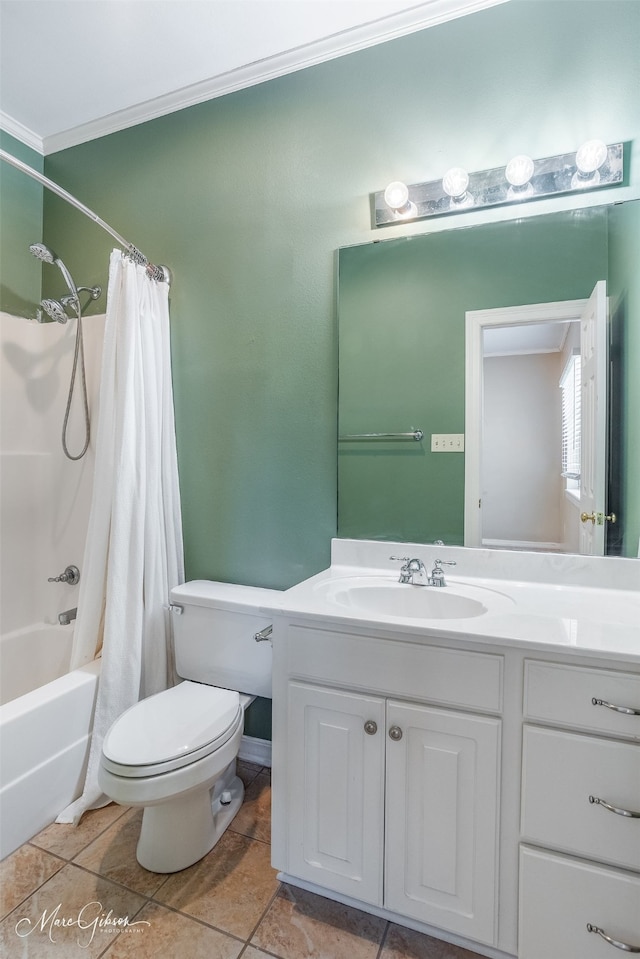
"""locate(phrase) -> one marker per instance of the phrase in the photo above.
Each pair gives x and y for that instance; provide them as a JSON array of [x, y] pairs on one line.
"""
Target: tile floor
[[230, 905]]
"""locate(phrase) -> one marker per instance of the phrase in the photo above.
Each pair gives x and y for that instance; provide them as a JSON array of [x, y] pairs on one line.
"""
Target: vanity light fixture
[[593, 166]]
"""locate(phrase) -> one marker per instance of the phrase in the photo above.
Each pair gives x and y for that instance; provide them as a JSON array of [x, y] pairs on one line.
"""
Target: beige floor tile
[[113, 855], [253, 953], [22, 873], [299, 923], [62, 918], [230, 888], [170, 935], [66, 840], [254, 816], [247, 771], [404, 943]]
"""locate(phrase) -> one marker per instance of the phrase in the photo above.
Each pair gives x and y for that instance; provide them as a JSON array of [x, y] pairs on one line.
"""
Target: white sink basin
[[379, 596]]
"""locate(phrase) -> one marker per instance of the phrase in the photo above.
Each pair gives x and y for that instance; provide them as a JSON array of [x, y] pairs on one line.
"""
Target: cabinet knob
[[395, 733], [370, 727]]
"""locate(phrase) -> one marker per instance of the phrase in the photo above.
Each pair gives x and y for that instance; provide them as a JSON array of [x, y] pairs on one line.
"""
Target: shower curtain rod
[[155, 272]]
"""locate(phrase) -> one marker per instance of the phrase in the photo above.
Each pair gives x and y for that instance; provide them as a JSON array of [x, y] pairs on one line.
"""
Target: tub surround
[[427, 769]]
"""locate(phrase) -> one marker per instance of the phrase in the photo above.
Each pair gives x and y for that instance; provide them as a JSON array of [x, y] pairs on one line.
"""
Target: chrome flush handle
[[264, 636]]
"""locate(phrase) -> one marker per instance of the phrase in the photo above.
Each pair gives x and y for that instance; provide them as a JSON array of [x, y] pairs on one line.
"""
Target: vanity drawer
[[560, 771], [405, 670], [559, 897], [564, 695]]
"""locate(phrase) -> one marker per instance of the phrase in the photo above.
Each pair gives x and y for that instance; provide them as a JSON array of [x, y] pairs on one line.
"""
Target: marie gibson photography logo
[[89, 920]]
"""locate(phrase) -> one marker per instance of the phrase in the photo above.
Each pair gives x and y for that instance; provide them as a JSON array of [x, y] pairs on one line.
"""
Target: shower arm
[[160, 273]]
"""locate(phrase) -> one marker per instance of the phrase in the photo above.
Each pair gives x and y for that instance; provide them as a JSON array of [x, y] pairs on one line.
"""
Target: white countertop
[[575, 617]]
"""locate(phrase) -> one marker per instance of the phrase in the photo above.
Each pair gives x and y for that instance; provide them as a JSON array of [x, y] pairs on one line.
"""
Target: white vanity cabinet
[[580, 813], [391, 771]]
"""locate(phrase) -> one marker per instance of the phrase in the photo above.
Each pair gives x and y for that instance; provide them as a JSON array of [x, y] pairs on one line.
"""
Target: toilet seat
[[171, 729]]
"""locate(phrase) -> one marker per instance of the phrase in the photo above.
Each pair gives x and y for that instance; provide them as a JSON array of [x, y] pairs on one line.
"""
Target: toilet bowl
[[174, 753]]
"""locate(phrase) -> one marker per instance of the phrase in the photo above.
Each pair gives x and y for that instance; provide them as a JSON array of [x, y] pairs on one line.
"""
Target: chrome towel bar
[[416, 435]]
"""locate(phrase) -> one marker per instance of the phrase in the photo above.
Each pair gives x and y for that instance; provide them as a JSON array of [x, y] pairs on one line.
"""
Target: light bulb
[[519, 170], [455, 182], [396, 195], [590, 156]]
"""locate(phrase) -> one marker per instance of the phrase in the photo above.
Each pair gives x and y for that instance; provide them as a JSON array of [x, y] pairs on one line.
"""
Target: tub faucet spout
[[67, 616]]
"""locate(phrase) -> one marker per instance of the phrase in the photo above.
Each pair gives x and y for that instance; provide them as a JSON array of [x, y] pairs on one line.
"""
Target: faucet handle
[[437, 573], [71, 576], [401, 559]]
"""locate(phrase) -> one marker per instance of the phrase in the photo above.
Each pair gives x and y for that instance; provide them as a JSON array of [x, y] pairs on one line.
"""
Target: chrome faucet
[[415, 573], [67, 616]]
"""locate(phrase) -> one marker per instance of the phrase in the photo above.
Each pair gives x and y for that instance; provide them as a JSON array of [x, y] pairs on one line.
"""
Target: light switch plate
[[447, 442]]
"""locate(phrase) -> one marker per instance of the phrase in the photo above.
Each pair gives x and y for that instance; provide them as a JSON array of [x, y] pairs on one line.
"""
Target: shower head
[[55, 310], [43, 252], [47, 255]]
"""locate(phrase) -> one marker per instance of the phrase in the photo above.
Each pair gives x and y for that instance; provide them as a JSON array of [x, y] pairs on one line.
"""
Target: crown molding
[[420, 17], [21, 133]]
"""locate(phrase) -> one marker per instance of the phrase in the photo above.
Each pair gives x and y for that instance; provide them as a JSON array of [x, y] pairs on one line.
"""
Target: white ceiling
[[524, 339], [73, 70]]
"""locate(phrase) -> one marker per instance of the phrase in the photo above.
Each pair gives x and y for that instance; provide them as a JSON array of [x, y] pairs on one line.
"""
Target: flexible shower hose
[[78, 354]]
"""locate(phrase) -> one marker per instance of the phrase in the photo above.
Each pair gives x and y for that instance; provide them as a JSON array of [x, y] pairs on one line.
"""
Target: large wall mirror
[[475, 332]]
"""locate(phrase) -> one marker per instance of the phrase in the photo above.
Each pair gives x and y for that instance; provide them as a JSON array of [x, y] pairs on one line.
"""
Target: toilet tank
[[214, 625]]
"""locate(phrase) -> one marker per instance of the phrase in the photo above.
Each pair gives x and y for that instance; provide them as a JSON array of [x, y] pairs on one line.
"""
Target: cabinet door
[[335, 789], [442, 812]]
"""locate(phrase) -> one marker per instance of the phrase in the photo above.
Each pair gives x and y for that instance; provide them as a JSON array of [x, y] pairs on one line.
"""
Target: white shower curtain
[[134, 552]]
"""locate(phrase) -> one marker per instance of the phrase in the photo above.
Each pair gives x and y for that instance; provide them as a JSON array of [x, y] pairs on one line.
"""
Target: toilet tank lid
[[204, 592]]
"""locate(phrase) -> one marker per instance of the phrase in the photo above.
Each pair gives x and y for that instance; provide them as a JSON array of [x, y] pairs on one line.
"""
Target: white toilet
[[175, 753]]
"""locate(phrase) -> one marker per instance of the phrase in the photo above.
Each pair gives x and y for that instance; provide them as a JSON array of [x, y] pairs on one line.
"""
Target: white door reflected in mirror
[[535, 446]]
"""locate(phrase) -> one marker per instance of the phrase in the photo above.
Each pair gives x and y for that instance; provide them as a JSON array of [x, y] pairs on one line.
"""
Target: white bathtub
[[46, 716]]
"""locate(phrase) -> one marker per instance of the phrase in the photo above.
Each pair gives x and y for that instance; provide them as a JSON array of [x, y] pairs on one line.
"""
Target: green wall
[[402, 308], [20, 225]]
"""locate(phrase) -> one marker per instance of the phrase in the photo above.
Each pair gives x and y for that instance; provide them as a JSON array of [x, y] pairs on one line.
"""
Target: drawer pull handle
[[371, 727], [613, 942], [616, 809], [627, 710]]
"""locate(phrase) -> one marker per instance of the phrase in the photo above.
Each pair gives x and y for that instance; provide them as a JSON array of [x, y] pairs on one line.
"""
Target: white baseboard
[[525, 544], [254, 750]]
